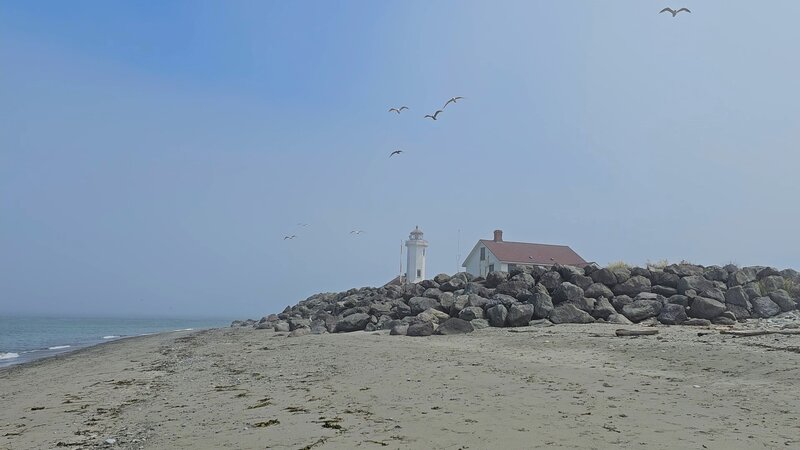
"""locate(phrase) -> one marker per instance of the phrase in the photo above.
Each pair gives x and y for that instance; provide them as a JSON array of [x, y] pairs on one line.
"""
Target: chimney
[[498, 235]]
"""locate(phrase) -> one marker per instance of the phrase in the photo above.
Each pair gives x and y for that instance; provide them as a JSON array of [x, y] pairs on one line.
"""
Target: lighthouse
[[415, 266]]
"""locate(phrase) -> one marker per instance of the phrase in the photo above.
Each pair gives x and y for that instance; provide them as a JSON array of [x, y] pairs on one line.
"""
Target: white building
[[499, 255], [415, 256]]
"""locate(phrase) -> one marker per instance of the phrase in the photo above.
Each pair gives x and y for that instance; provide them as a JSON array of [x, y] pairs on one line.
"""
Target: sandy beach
[[568, 386]]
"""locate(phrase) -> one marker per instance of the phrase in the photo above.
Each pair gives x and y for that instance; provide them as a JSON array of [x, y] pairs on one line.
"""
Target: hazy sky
[[154, 154]]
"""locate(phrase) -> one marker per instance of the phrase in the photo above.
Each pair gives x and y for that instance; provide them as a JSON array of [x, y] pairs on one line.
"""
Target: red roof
[[526, 253]]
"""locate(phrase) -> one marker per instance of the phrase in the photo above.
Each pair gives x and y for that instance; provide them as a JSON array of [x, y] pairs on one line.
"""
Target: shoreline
[[565, 386]]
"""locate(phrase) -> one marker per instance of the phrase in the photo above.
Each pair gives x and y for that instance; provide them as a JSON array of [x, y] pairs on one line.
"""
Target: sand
[[568, 386]]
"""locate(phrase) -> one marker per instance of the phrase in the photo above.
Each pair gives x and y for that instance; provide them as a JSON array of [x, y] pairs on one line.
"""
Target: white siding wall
[[475, 266], [415, 261]]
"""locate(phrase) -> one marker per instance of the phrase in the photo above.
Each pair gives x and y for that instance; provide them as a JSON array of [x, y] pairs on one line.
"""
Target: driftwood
[[749, 333], [622, 332]]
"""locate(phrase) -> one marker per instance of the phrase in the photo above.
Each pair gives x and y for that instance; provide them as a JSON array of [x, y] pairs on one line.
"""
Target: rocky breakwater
[[678, 294]]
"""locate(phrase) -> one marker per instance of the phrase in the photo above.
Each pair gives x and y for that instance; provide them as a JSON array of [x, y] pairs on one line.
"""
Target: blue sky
[[153, 154]]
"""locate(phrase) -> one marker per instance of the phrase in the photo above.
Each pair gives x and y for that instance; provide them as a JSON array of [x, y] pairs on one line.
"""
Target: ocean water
[[25, 339]]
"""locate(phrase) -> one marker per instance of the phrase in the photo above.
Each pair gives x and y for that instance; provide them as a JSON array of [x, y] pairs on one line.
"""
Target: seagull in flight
[[357, 232], [289, 237], [452, 100], [674, 12], [398, 110], [434, 114], [303, 225], [396, 152]]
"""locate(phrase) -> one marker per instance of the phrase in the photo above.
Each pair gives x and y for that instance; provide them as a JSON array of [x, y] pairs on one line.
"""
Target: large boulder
[[597, 290], [605, 276], [706, 308], [460, 302], [282, 326], [420, 304], [666, 279], [678, 299], [716, 273], [736, 296], [550, 280], [441, 278], [513, 288], [633, 286], [765, 307], [353, 322], [783, 299], [519, 315], [696, 283], [740, 312], [477, 300], [455, 326], [666, 291], [767, 272], [399, 329], [603, 309], [620, 301], [584, 303], [495, 278], [432, 315], [672, 314], [542, 305], [471, 313], [582, 281], [432, 293], [497, 315], [447, 300], [526, 278], [742, 277], [420, 329], [569, 313], [621, 273], [684, 269], [772, 284], [642, 309], [567, 292], [453, 284]]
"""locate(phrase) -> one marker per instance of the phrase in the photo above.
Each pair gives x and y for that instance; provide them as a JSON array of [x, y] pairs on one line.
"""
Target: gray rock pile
[[677, 294]]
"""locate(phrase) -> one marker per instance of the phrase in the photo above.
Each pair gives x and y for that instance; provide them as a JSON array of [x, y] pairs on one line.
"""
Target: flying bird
[[396, 152], [398, 110], [303, 225], [674, 12], [357, 232], [434, 114], [289, 237], [452, 100]]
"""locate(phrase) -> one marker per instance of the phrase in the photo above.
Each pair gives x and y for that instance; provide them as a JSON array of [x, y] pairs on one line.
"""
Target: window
[[491, 267], [423, 252], [419, 273], [511, 267], [483, 253]]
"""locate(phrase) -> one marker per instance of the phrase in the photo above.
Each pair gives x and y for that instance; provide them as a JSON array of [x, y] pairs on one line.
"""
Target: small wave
[[110, 337], [8, 355], [186, 329], [59, 347]]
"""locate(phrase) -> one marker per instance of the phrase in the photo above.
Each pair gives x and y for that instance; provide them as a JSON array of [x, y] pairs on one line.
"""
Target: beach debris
[[749, 333], [267, 423], [110, 441], [623, 332]]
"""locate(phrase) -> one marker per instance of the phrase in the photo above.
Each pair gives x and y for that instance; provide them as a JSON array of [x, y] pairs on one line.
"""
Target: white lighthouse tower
[[415, 266]]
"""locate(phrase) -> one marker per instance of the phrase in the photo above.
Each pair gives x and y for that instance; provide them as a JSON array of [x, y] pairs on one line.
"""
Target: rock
[[705, 308], [753, 291], [513, 288], [432, 293], [475, 288], [281, 326], [767, 272], [722, 320], [642, 309], [519, 315], [597, 290], [569, 313], [110, 441], [666, 279], [399, 329], [429, 284], [783, 299], [471, 313], [479, 324], [319, 326], [664, 290], [441, 278], [476, 300], [771, 284], [742, 277], [603, 309], [641, 272], [420, 329], [672, 314], [591, 268], [716, 273], [455, 326], [542, 305], [622, 274], [604, 276], [737, 296], [420, 304], [620, 301], [728, 314], [497, 315], [740, 312], [453, 284], [264, 326], [714, 293], [495, 278], [694, 282], [582, 281], [524, 278], [447, 300], [432, 315], [633, 286], [302, 331], [567, 272], [685, 269], [353, 322], [764, 307], [460, 302], [619, 319], [551, 280], [297, 322], [679, 300], [585, 304], [567, 292], [694, 322]]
